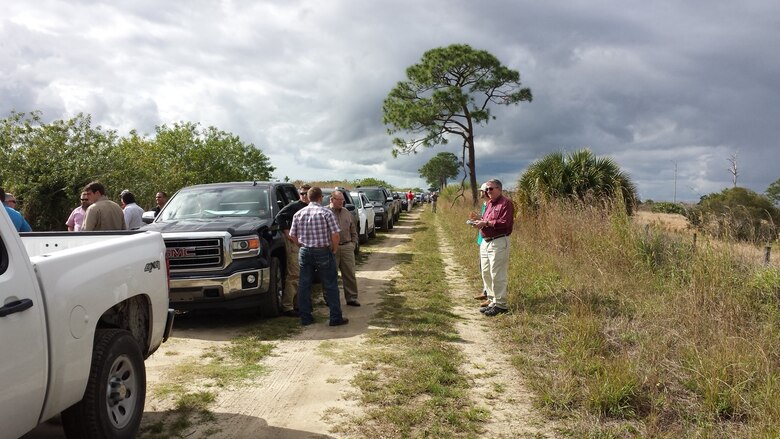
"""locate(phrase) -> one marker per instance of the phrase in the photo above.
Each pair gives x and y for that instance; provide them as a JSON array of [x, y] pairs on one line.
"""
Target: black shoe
[[343, 321], [484, 309], [353, 303], [494, 311], [290, 313]]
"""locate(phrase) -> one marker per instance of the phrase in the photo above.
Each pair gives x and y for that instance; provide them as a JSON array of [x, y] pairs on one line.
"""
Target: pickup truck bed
[[91, 307]]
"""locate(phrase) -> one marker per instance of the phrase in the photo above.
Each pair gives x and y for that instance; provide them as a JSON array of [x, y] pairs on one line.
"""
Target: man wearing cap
[[495, 227], [483, 197], [76, 219], [284, 220]]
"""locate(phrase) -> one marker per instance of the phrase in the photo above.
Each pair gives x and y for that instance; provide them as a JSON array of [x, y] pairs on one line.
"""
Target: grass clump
[[194, 385], [623, 330], [410, 381]]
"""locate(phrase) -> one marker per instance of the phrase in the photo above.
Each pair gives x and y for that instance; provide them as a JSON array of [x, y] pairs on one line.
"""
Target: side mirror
[[390, 199], [368, 205], [148, 217]]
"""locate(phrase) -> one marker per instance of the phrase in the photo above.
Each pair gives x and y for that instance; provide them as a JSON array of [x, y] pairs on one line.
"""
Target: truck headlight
[[380, 210], [245, 246]]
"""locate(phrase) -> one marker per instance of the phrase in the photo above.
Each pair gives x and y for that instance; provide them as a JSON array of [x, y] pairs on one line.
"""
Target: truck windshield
[[376, 195], [218, 202]]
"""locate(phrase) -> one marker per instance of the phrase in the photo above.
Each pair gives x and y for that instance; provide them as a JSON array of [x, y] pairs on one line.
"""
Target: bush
[[667, 207], [737, 213]]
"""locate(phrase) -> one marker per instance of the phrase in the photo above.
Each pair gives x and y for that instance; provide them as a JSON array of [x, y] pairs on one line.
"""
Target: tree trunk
[[472, 169]]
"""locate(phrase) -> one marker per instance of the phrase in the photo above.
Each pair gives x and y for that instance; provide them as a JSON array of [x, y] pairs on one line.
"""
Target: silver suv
[[384, 209]]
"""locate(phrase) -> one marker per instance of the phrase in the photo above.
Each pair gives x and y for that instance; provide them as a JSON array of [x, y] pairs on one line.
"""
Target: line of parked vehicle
[[79, 312]]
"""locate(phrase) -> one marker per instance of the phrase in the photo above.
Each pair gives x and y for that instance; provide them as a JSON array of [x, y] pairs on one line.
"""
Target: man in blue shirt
[[20, 223]]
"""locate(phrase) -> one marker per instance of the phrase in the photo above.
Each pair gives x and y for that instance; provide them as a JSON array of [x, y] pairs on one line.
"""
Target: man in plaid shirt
[[315, 230]]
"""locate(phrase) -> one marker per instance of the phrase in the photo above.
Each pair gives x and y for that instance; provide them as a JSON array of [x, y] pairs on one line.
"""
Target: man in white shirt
[[133, 212]]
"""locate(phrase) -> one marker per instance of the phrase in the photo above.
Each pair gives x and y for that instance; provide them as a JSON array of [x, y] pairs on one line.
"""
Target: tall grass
[[629, 333]]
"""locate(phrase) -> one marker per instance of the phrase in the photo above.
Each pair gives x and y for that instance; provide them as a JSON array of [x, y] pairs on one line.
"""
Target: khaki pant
[[495, 266], [345, 261], [293, 274]]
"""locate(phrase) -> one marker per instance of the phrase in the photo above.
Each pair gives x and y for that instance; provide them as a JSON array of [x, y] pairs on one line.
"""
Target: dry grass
[[627, 331]]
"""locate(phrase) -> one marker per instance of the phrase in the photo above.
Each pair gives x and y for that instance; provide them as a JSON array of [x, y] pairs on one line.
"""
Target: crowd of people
[[319, 238], [96, 211]]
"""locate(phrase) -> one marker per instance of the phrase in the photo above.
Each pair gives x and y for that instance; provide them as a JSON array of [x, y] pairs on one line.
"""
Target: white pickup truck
[[79, 314]]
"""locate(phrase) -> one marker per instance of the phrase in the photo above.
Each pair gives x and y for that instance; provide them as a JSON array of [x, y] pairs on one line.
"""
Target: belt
[[345, 242], [494, 237], [318, 248]]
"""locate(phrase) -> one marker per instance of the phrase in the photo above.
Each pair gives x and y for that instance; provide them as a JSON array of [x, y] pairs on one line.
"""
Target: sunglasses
[[10, 201], [489, 189], [304, 193]]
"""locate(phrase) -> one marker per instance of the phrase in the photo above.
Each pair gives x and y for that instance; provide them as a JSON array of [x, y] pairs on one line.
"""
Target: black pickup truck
[[223, 248]]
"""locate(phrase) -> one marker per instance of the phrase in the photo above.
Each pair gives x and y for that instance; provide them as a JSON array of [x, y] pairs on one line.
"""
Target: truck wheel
[[390, 224], [385, 224], [113, 401], [269, 304], [372, 233]]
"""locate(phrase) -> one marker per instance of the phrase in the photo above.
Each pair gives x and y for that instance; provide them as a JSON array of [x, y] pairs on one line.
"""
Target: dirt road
[[306, 392]]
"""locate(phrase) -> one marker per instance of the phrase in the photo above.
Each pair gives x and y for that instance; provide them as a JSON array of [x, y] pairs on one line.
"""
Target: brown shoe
[[485, 303], [482, 296]]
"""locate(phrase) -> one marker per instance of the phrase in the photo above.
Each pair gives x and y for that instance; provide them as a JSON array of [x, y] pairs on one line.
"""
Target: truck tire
[[390, 224], [113, 401], [271, 301], [385, 224], [372, 233]]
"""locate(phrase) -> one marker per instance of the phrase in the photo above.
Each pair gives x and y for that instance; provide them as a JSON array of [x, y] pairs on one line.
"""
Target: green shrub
[[667, 207], [737, 213]]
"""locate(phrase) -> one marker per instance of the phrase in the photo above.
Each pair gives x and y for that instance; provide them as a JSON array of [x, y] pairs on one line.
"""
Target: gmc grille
[[188, 254]]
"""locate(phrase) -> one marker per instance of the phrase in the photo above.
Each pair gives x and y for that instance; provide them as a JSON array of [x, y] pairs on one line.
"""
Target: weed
[[410, 382], [624, 331]]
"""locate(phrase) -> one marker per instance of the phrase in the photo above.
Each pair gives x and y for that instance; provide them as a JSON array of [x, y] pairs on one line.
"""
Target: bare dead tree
[[733, 168]]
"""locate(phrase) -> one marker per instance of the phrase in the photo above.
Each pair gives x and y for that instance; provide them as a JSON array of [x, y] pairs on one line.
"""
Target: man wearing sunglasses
[[76, 219], [284, 219], [17, 219], [495, 226]]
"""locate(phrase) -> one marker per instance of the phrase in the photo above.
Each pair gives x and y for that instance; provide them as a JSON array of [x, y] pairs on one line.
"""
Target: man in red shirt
[[409, 200], [495, 226]]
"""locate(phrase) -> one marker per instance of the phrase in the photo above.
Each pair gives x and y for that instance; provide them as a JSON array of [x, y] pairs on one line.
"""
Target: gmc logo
[[180, 252]]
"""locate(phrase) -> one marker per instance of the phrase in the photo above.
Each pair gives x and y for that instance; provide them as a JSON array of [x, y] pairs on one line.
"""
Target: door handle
[[15, 306]]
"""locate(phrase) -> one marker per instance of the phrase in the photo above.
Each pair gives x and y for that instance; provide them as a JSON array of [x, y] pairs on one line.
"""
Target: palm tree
[[579, 175]]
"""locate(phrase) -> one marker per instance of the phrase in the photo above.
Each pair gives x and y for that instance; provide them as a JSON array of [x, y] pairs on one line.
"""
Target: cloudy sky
[[657, 86]]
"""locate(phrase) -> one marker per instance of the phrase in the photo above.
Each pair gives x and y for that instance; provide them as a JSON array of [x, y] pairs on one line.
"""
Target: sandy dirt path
[[306, 393], [494, 381]]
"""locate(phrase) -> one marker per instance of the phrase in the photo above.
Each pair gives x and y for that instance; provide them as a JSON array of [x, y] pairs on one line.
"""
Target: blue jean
[[325, 262]]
